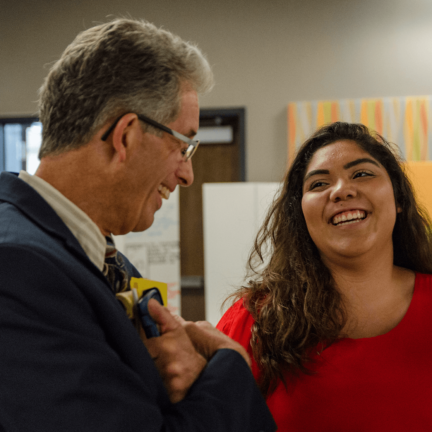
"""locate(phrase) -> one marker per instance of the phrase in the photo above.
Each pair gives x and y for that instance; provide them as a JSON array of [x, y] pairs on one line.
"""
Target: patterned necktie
[[114, 268]]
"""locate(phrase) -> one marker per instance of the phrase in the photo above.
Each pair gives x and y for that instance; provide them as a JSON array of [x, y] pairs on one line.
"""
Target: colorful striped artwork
[[403, 121]]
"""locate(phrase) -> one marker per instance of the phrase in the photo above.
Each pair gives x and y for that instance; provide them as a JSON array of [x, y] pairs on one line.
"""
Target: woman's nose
[[343, 190]]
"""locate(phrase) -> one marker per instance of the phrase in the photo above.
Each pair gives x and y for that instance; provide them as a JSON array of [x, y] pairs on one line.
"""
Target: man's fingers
[[202, 339], [179, 318], [162, 316], [173, 352], [204, 325], [207, 340]]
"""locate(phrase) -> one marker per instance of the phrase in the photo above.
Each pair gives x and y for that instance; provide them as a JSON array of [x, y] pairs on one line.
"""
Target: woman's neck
[[376, 294]]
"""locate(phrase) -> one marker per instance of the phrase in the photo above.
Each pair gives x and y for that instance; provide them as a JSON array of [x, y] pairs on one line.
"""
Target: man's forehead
[[187, 122]]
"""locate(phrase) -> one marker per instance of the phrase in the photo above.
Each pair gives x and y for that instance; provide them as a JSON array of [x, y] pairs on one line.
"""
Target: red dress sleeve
[[237, 324]]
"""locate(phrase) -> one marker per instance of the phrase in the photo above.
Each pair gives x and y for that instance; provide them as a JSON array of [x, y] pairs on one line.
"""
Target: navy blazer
[[70, 359]]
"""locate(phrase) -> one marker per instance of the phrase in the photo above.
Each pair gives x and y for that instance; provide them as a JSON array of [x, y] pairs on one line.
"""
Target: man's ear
[[124, 134], [399, 209]]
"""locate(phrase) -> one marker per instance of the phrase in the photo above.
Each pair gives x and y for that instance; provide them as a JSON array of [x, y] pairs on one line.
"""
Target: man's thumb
[[162, 316]]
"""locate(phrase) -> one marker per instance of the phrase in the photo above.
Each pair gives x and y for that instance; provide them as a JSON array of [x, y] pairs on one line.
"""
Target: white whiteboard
[[232, 213], [156, 251]]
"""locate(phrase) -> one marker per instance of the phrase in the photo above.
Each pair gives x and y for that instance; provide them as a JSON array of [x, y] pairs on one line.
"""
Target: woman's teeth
[[349, 217], [164, 192]]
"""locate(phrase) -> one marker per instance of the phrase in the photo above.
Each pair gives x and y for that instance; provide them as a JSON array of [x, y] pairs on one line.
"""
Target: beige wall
[[265, 53]]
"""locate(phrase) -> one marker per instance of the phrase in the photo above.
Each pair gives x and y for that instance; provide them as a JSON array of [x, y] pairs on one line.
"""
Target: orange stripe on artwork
[[424, 130], [291, 132], [334, 112], [379, 117], [364, 112], [320, 114], [416, 132]]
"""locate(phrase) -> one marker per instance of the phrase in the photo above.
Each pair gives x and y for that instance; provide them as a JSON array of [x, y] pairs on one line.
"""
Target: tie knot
[[114, 268], [110, 250]]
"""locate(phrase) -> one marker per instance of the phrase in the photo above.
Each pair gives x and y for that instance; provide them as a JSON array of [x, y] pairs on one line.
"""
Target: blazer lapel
[[18, 193]]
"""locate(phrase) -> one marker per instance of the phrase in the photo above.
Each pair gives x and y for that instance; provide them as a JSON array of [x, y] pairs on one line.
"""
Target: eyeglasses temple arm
[[110, 129]]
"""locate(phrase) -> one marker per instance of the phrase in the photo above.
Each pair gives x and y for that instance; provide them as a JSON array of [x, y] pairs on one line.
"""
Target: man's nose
[[185, 173]]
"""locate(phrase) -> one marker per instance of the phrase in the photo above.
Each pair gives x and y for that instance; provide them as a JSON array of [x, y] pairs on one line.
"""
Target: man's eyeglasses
[[187, 153]]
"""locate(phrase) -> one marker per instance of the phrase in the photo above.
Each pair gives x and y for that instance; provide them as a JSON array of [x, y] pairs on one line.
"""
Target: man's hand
[[207, 340], [173, 353]]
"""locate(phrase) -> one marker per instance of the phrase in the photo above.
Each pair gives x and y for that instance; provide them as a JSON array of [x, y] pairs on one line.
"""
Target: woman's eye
[[316, 184], [362, 174]]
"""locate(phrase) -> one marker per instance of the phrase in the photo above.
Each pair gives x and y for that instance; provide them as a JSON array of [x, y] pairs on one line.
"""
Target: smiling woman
[[348, 203], [336, 311]]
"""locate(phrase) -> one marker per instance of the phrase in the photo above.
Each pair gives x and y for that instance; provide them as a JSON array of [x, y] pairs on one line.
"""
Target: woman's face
[[348, 203]]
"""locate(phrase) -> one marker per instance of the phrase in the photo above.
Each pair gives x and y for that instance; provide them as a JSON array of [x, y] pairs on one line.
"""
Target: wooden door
[[213, 162]]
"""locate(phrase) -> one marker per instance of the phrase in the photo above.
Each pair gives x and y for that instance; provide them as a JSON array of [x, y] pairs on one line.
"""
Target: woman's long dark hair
[[291, 293]]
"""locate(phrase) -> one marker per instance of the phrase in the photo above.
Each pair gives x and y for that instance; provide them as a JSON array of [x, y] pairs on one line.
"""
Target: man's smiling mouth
[[164, 191], [348, 217]]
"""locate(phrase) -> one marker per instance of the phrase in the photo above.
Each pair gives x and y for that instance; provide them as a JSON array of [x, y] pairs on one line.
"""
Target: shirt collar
[[82, 227]]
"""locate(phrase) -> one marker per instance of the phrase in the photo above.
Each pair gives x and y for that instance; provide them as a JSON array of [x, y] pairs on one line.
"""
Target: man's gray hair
[[114, 68]]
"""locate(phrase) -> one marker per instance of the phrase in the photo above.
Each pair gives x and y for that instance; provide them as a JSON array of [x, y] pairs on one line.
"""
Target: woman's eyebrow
[[346, 166], [359, 161], [316, 172]]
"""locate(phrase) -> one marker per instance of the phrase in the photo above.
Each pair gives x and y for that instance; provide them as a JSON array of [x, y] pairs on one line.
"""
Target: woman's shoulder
[[423, 281], [237, 322]]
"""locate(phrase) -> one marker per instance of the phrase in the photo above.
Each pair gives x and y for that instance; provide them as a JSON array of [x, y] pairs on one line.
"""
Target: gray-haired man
[[119, 113]]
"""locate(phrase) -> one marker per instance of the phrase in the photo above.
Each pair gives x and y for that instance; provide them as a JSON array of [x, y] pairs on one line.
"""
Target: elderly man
[[119, 113]]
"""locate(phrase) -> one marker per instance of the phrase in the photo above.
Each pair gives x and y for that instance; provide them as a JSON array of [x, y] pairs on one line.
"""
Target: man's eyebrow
[[346, 166]]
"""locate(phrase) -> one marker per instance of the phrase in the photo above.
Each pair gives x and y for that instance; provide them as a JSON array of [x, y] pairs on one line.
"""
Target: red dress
[[383, 383]]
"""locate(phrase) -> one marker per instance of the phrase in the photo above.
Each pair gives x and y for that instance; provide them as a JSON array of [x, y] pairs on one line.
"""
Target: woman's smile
[[347, 217]]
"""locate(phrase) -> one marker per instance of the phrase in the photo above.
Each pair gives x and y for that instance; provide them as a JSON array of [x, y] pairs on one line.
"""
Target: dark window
[[20, 140]]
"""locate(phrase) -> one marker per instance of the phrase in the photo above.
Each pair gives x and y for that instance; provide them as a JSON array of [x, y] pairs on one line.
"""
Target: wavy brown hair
[[291, 294]]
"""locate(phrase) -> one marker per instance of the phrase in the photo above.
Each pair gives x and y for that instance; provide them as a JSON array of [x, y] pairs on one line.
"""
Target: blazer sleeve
[[60, 370]]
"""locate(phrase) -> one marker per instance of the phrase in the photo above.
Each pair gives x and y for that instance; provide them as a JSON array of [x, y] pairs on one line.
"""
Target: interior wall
[[264, 54]]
